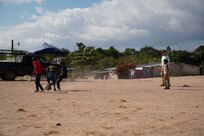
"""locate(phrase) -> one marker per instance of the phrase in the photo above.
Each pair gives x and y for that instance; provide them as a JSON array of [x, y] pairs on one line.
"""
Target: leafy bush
[[124, 68]]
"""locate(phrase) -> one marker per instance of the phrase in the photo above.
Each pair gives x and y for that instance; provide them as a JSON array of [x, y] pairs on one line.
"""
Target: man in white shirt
[[164, 56]]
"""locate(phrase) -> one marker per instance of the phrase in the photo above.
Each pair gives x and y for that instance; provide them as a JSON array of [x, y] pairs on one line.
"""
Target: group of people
[[54, 75]]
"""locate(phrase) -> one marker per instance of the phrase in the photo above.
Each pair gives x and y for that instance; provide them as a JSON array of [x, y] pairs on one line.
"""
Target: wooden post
[[12, 45]]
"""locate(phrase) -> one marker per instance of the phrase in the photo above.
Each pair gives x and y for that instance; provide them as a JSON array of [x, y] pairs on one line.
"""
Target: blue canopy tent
[[50, 49]]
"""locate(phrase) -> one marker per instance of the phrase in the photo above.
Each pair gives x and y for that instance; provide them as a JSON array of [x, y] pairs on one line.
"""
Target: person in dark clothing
[[62, 74]]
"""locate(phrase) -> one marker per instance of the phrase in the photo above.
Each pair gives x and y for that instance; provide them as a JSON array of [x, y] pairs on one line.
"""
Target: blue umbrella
[[50, 49]]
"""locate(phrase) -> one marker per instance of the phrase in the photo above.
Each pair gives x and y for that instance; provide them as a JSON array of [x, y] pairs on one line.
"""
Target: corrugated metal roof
[[150, 65]]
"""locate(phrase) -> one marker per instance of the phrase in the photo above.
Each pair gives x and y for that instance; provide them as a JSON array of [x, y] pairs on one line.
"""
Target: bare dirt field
[[137, 107]]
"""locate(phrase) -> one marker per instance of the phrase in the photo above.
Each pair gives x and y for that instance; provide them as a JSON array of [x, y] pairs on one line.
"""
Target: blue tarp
[[50, 49]]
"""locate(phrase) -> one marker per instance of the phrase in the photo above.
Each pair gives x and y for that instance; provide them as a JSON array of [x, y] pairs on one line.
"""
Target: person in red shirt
[[37, 71]]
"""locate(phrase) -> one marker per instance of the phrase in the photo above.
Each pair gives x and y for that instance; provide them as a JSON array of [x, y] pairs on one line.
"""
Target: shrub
[[124, 68]]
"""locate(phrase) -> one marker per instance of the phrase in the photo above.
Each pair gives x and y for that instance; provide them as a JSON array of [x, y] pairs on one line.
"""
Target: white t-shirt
[[163, 58]]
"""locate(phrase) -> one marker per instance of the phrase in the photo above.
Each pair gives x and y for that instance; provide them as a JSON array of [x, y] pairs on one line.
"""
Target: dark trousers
[[37, 82], [59, 79]]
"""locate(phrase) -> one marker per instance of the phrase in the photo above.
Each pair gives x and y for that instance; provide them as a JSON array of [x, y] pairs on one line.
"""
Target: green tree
[[112, 52], [148, 54], [80, 46], [186, 57], [84, 58], [3, 56], [200, 52], [150, 51], [107, 62], [102, 53], [168, 49], [129, 52], [66, 51]]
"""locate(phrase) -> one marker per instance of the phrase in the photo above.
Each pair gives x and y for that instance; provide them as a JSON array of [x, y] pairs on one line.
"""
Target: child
[[166, 74], [51, 76]]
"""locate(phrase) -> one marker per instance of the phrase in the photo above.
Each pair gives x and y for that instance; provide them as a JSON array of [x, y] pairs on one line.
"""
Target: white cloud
[[174, 25], [133, 22], [21, 1], [101, 33], [39, 10]]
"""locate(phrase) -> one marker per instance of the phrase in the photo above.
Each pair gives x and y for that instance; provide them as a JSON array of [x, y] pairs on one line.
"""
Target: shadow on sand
[[66, 91], [187, 88]]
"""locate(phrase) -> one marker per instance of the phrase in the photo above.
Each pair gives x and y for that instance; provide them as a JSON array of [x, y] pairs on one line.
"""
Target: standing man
[[38, 72], [164, 56]]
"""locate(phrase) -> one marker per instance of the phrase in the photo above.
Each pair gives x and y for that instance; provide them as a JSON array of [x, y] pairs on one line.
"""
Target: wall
[[176, 69], [180, 69]]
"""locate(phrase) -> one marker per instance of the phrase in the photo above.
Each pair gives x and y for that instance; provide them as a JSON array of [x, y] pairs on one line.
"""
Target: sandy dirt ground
[[137, 107]]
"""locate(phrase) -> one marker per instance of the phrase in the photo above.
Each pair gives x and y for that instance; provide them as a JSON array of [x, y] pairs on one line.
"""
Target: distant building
[[176, 69], [149, 71], [108, 73]]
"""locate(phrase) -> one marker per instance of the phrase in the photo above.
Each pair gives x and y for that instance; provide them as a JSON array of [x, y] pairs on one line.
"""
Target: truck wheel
[[2, 77], [10, 75]]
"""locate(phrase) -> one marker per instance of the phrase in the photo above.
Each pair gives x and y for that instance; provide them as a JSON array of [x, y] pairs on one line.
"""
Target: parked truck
[[20, 67]]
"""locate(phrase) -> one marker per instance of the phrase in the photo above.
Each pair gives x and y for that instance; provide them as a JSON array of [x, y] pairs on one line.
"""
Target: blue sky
[[12, 13], [102, 23]]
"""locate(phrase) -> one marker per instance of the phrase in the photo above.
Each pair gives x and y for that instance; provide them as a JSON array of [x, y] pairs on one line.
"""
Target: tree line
[[97, 58], [88, 58]]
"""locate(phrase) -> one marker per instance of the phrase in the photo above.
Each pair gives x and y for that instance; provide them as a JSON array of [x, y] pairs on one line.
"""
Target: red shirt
[[37, 67]]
